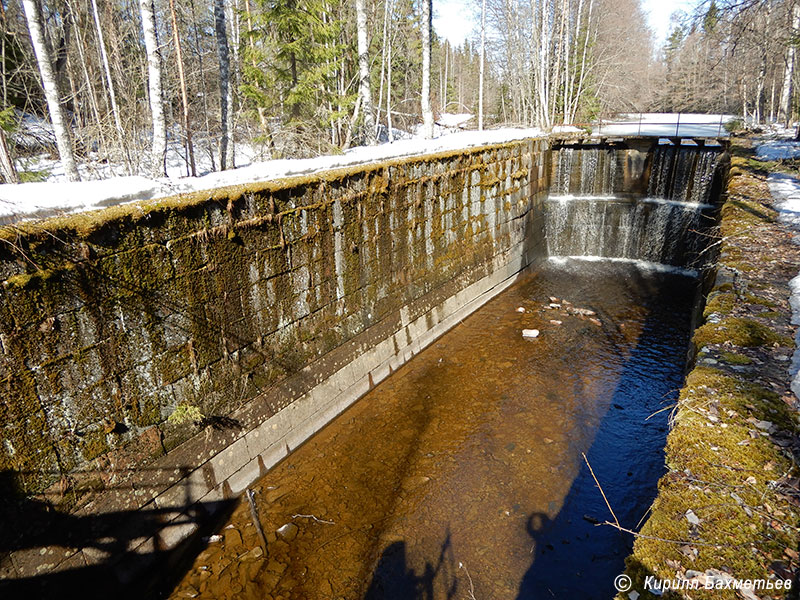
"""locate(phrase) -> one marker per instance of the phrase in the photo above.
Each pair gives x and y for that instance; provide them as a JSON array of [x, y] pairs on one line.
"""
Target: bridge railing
[[662, 125]]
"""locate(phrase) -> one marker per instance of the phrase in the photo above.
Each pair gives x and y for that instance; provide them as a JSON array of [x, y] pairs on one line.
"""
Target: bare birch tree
[[159, 148], [224, 83], [58, 117], [785, 106], [8, 172], [187, 126], [363, 72], [107, 71], [427, 113], [482, 67]]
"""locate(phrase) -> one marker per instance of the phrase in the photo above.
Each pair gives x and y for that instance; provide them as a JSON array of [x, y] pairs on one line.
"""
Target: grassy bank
[[729, 504]]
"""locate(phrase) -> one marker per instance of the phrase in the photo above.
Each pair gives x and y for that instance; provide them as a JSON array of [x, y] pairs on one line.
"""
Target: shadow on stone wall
[[46, 553]]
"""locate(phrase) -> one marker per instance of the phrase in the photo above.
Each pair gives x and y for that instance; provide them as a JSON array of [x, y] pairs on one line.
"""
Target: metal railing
[[716, 126]]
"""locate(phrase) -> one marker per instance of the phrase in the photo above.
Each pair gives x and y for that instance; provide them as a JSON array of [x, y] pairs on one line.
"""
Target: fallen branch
[[619, 527], [601, 489], [658, 539], [254, 515], [318, 520], [471, 595]]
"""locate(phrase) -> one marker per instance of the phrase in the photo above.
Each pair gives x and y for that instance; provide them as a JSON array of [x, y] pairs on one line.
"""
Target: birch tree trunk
[[57, 117], [159, 151], [785, 108], [427, 113], [389, 77], [224, 81], [482, 66], [363, 71], [7, 169]]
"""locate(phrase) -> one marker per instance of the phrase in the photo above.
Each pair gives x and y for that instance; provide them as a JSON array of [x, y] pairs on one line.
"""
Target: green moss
[[735, 359], [94, 444], [761, 301], [721, 303], [740, 332], [707, 463]]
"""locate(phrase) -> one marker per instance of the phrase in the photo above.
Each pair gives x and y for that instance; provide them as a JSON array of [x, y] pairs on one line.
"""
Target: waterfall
[[614, 202], [683, 173], [667, 232], [586, 171]]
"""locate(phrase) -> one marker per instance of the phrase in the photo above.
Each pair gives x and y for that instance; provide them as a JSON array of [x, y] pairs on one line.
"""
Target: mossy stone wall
[[111, 320]]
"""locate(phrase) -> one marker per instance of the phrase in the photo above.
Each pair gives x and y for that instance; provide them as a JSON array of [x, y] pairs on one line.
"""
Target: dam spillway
[[269, 311], [665, 212]]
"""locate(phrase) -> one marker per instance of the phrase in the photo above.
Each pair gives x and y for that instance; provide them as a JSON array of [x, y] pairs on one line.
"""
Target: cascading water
[[656, 231], [586, 171], [587, 216], [683, 173]]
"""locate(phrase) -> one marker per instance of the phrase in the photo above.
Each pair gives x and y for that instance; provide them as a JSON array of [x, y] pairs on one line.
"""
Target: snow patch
[[785, 189], [37, 200], [665, 125], [454, 120], [778, 150]]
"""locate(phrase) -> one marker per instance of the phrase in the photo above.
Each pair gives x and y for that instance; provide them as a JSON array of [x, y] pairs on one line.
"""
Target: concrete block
[[230, 460], [381, 372], [244, 477], [175, 532], [184, 493]]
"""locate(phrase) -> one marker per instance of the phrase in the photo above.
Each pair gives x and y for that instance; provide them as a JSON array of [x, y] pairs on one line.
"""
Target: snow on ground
[[105, 184], [665, 125], [34, 200], [454, 120], [786, 191], [778, 150], [778, 143]]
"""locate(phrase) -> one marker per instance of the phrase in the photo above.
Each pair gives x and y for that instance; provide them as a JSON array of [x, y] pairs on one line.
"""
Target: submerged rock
[[287, 531], [530, 333]]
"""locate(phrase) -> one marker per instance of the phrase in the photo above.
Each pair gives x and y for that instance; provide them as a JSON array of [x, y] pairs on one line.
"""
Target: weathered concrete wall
[[260, 312]]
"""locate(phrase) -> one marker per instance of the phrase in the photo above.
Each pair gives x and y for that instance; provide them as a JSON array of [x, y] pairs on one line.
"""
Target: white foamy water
[[643, 265]]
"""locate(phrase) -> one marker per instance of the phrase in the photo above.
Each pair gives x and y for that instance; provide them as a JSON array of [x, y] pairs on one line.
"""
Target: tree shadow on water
[[575, 555], [393, 579]]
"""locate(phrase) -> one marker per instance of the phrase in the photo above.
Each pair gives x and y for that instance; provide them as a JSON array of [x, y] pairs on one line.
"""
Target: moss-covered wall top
[[112, 321]]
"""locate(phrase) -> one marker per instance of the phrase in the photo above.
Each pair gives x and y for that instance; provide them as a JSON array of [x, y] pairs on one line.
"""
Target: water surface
[[463, 471]]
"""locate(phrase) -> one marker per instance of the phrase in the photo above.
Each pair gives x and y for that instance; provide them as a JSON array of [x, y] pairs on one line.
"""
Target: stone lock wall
[[249, 315]]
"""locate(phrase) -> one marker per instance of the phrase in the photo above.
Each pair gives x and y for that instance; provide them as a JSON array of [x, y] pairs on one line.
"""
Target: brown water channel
[[462, 473]]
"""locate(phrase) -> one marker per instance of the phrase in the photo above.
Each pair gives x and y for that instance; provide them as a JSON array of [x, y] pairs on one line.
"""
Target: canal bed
[[462, 474]]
